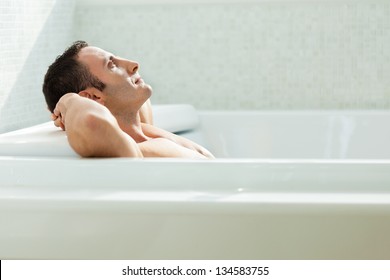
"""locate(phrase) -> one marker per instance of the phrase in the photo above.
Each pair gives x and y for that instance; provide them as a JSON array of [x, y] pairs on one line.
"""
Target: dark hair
[[67, 74]]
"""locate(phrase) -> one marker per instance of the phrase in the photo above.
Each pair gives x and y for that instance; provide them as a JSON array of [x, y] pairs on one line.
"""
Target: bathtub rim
[[185, 175]]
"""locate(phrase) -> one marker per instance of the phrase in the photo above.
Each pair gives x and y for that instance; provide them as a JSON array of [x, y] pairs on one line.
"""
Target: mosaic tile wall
[[265, 55], [32, 33]]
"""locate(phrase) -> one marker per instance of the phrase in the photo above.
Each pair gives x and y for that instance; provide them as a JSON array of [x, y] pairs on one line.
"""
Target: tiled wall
[[258, 55], [250, 55], [32, 33]]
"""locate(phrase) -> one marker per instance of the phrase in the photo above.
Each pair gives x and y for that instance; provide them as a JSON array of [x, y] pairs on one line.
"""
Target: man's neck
[[130, 123]]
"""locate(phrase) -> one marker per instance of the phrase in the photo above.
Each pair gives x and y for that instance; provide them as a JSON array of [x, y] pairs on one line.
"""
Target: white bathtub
[[286, 185]]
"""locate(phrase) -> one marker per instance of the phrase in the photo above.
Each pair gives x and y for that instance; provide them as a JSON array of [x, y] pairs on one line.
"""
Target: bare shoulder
[[155, 132], [179, 141], [162, 147]]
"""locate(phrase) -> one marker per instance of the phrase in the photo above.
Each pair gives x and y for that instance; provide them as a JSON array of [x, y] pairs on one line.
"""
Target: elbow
[[99, 135], [82, 134]]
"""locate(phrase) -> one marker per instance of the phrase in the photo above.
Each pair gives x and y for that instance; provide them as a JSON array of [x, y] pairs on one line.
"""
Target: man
[[102, 103]]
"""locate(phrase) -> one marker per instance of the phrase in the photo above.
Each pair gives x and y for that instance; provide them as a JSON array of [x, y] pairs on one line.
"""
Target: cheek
[[121, 87]]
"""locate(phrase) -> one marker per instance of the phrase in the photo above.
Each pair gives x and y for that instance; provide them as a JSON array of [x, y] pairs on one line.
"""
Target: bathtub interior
[[297, 134], [242, 134]]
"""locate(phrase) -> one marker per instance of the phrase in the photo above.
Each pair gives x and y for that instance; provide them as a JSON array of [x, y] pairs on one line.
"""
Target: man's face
[[124, 85]]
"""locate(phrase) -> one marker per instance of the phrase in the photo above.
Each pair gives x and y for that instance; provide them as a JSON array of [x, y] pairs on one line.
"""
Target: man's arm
[[162, 147], [155, 132], [91, 129]]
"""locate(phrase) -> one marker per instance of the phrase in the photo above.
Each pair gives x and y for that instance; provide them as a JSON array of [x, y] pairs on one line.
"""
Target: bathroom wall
[[32, 34], [217, 54], [250, 54]]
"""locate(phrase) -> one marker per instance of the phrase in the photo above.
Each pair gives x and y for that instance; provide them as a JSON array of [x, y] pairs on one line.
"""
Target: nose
[[132, 67]]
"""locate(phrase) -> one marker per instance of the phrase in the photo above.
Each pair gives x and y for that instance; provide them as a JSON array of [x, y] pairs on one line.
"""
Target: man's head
[[67, 74], [124, 88], [96, 74]]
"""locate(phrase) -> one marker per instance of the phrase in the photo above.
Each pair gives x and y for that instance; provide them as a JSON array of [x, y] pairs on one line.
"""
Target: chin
[[149, 90]]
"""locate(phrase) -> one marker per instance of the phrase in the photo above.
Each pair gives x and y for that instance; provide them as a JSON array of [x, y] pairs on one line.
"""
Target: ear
[[94, 94]]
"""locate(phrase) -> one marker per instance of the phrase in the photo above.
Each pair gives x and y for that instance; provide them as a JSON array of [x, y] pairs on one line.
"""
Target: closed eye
[[111, 64]]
